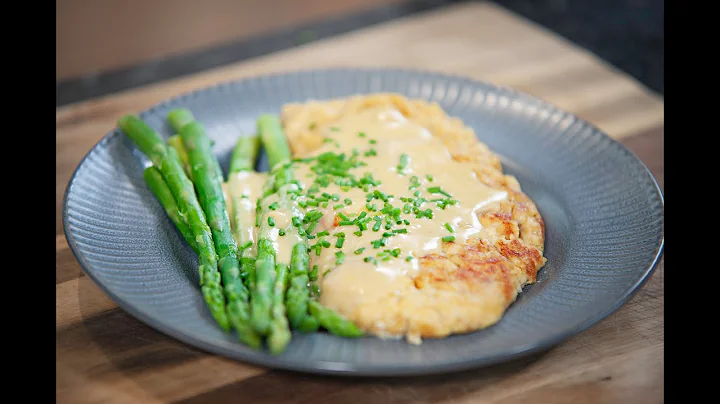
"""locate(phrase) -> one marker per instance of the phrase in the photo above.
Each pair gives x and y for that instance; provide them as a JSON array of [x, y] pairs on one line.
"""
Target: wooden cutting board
[[105, 355]]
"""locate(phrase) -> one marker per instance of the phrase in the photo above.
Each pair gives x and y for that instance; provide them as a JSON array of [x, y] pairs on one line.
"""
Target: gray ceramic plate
[[602, 208]]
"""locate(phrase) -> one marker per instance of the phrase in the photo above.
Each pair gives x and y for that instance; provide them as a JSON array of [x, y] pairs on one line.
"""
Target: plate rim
[[323, 368]]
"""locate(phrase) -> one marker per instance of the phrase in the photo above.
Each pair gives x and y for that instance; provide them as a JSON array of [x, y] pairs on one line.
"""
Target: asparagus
[[273, 139], [247, 271], [244, 154], [261, 294], [279, 329], [212, 200], [242, 160], [298, 294], [178, 118], [176, 143], [333, 322], [159, 188], [168, 164]]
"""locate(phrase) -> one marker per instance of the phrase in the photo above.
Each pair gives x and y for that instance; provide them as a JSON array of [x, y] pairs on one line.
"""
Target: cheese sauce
[[441, 200]]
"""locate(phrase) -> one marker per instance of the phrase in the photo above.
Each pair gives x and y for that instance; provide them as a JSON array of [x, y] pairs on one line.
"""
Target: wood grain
[[105, 355]]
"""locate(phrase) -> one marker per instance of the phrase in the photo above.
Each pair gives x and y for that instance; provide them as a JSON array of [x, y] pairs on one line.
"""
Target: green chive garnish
[[340, 257]]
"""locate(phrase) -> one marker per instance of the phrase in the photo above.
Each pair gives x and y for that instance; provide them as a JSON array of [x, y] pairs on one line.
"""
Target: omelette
[[421, 234]]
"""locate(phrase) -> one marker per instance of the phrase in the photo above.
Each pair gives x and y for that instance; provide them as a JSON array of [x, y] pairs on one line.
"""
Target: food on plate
[[380, 215]]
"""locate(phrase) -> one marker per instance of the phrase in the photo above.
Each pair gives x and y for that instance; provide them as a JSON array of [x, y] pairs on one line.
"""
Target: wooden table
[[105, 355]]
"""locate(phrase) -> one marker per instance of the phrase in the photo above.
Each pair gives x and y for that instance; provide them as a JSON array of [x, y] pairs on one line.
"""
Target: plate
[[602, 208]]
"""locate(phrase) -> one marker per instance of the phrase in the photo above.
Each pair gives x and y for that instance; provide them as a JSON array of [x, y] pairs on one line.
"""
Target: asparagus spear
[[212, 200], [247, 271], [244, 154], [279, 329], [298, 294], [273, 139], [178, 118], [243, 160], [159, 188], [261, 294], [176, 143], [168, 164], [333, 322]]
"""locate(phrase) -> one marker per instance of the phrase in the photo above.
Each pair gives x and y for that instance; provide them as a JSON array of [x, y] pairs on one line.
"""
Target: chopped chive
[[246, 244], [358, 233], [324, 243], [376, 226], [323, 233], [429, 177], [361, 134], [402, 231], [296, 221], [438, 190], [271, 221], [338, 206], [313, 273], [409, 258], [372, 141], [273, 206], [359, 251], [404, 160], [348, 201], [340, 257], [335, 197], [367, 259], [450, 229], [312, 202], [339, 242], [281, 232], [448, 238], [343, 216]]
